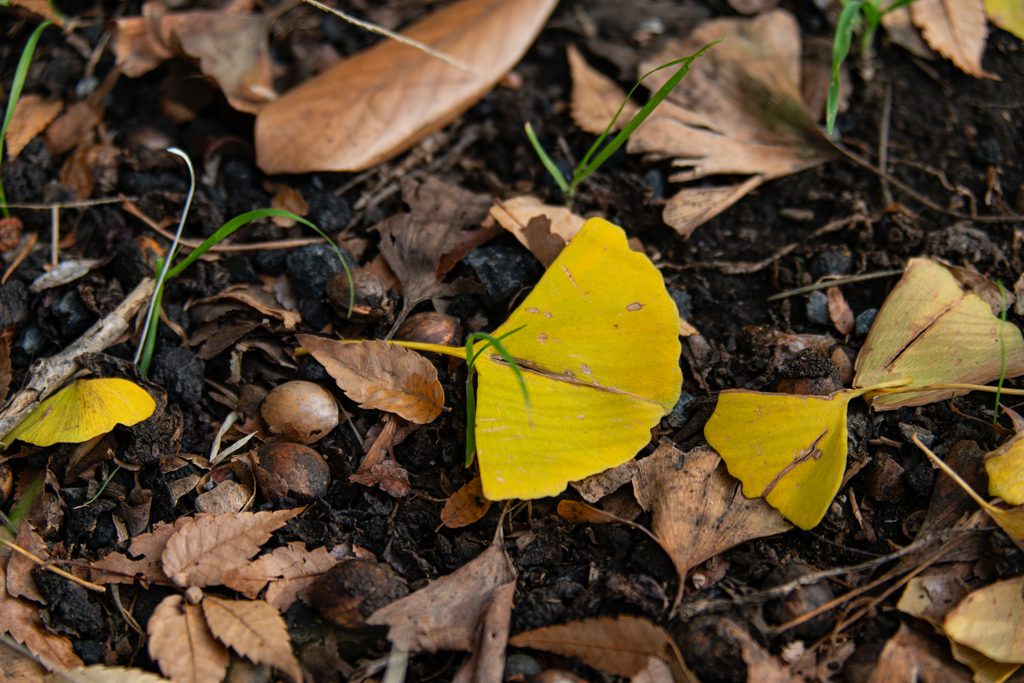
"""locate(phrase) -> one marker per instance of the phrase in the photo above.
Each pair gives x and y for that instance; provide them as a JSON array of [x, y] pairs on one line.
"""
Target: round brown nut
[[293, 470], [352, 590], [430, 328], [301, 411], [375, 301]]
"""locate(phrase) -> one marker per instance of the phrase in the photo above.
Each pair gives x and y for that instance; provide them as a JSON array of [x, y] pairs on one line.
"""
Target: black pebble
[[309, 270], [831, 262], [270, 261], [13, 304], [505, 269], [327, 212], [179, 372], [72, 315]]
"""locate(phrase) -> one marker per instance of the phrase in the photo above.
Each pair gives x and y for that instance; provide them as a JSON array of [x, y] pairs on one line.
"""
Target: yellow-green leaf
[[1005, 466], [82, 410], [1007, 15], [991, 621], [933, 329]]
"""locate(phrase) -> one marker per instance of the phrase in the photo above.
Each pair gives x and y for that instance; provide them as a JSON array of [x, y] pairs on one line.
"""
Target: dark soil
[[950, 135]]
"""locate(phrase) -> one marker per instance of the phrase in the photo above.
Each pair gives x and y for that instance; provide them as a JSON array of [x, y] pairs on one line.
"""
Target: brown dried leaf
[[380, 102], [181, 642], [900, 29], [540, 227], [956, 29], [18, 668], [739, 111], [466, 506], [117, 568], [20, 583], [287, 198], [254, 295], [413, 243], [388, 475], [253, 629], [839, 310], [200, 553], [41, 7], [597, 486], [910, 651], [20, 618], [595, 97], [32, 115], [97, 673], [375, 374], [232, 49], [616, 646], [292, 570], [761, 667], [697, 508]]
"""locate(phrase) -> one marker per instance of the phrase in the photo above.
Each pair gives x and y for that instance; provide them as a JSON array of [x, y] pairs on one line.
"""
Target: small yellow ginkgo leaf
[[82, 410], [991, 621], [1005, 465]]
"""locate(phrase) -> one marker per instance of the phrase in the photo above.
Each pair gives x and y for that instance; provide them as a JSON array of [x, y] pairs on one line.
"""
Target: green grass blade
[[149, 340], [586, 166], [471, 357], [546, 160], [20, 73], [840, 49]]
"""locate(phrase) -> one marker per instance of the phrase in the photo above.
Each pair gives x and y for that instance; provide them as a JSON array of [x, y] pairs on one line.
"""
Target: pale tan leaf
[[697, 508], [18, 668], [20, 618], [595, 97], [839, 311], [540, 227], [379, 102], [991, 621], [466, 506], [253, 295], [253, 629], [910, 655], [900, 29], [32, 115], [118, 568], [97, 673], [956, 29], [739, 111], [761, 666], [616, 646], [181, 642], [375, 374], [200, 553], [656, 670], [597, 486], [292, 570]]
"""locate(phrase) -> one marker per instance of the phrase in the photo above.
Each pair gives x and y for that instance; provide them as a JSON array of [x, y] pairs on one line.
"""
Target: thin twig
[[26, 248], [883, 143], [56, 570], [70, 205], [825, 284], [54, 235]]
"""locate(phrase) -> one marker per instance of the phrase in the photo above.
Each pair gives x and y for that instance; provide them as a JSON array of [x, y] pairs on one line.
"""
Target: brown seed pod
[[300, 411], [352, 590], [293, 470], [375, 301], [431, 328]]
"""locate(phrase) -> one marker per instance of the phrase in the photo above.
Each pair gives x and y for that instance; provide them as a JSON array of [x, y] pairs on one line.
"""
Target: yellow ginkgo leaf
[[82, 410], [1005, 465], [788, 449], [1007, 15], [991, 621], [934, 329], [598, 346]]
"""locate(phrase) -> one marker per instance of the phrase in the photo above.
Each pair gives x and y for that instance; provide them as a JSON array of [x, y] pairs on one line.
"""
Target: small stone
[[327, 212], [885, 479], [309, 270], [683, 411], [13, 304], [990, 151], [520, 665], [72, 315], [831, 262], [240, 269], [684, 302], [864, 322], [817, 308], [505, 269], [799, 602], [910, 431], [352, 590], [179, 372], [656, 181]]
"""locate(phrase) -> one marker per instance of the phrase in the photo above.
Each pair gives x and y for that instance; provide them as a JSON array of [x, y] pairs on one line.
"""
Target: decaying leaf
[[254, 296], [1007, 15], [379, 102], [932, 596], [20, 582], [391, 477], [466, 506], [900, 29], [936, 330], [377, 375], [291, 571], [32, 115], [991, 621], [956, 29], [910, 651], [839, 311], [597, 486], [616, 646], [150, 546], [180, 641], [739, 111], [97, 673], [1005, 465], [696, 512], [595, 97], [253, 629], [232, 49], [540, 227], [581, 513], [200, 553]]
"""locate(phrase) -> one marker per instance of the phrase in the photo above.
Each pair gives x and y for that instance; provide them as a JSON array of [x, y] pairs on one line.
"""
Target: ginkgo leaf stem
[[945, 387]]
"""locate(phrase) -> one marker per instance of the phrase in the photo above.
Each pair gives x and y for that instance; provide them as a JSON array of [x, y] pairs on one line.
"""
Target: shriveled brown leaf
[[581, 513], [379, 102], [909, 652], [20, 583], [180, 641], [956, 29], [839, 311], [98, 673], [200, 553], [253, 629], [78, 120], [761, 666], [41, 7], [697, 508], [413, 243], [597, 486], [540, 227], [20, 618], [287, 198], [32, 115], [232, 49], [378, 375], [292, 570], [466, 506], [18, 668], [616, 646], [739, 111], [150, 546], [254, 295], [595, 97], [391, 477]]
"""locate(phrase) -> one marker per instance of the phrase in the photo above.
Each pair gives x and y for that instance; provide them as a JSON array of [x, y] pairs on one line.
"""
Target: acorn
[[300, 411], [375, 301], [352, 590], [292, 470], [431, 328]]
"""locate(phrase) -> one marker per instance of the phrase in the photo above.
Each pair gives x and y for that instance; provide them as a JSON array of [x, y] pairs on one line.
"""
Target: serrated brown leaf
[[697, 508], [466, 506], [32, 115], [378, 375], [97, 673], [616, 646], [381, 101], [181, 642], [956, 29], [595, 97], [20, 583], [200, 553], [20, 618], [292, 570], [18, 668], [149, 545], [253, 629]]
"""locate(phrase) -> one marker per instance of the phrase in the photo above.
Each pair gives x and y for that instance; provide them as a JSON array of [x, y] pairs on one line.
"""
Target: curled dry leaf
[[540, 227], [379, 102], [696, 512], [291, 572], [180, 641], [595, 97], [378, 375], [32, 115], [900, 29], [232, 49], [253, 629], [909, 650], [739, 111], [97, 673], [392, 478], [597, 486], [840, 311], [956, 29], [255, 296], [581, 513], [200, 553], [466, 506], [43, 8]]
